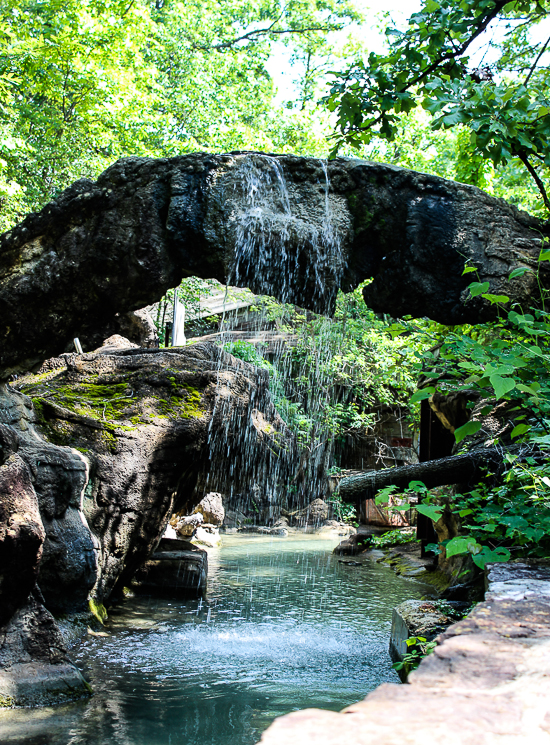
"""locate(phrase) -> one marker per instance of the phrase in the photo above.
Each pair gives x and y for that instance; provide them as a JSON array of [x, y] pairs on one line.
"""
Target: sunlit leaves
[[470, 428], [478, 288], [505, 107]]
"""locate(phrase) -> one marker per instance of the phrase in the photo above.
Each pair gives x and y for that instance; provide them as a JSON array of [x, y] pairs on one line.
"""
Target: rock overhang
[[293, 227]]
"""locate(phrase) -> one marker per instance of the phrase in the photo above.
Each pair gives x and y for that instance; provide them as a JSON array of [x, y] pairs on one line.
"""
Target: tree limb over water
[[456, 469]]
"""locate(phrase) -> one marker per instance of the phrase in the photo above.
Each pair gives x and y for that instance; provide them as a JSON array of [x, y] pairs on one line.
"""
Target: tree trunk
[[455, 469]]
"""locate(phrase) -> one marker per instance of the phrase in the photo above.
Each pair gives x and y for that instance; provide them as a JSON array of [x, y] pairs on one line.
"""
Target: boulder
[[281, 522], [207, 535], [233, 519], [351, 546], [424, 618], [35, 669], [114, 343], [21, 531], [185, 526], [134, 433], [176, 567], [211, 508], [314, 514]]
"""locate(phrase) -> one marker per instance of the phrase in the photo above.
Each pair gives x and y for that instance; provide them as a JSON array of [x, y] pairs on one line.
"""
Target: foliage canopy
[[501, 96]]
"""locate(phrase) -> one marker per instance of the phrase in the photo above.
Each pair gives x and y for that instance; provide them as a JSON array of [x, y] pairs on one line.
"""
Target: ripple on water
[[284, 626]]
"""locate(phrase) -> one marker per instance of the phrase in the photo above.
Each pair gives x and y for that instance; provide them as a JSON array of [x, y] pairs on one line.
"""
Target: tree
[[82, 84], [437, 64]]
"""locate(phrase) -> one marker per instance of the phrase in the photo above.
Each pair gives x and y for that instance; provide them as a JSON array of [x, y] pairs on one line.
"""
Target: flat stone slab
[[486, 683], [40, 684], [176, 568], [517, 581]]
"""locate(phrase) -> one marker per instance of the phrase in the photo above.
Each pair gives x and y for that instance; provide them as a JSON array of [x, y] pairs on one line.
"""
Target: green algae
[[98, 610], [6, 702]]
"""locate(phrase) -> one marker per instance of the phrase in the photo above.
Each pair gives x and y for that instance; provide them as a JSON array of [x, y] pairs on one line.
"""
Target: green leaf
[[531, 389], [519, 272], [516, 522], [383, 495], [478, 288], [488, 556], [434, 513], [458, 545], [501, 385], [470, 428], [422, 394], [468, 269], [519, 429], [493, 299], [417, 486], [545, 255], [433, 548]]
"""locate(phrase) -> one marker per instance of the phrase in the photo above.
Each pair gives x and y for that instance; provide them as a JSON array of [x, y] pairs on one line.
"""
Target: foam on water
[[285, 625]]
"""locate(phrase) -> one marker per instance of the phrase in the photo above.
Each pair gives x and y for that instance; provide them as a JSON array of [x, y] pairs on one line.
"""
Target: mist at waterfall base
[[285, 625]]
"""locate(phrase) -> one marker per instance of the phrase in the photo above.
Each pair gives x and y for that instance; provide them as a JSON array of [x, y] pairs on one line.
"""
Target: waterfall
[[279, 244]]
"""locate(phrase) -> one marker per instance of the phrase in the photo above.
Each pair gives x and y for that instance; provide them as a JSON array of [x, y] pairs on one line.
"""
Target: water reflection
[[285, 625]]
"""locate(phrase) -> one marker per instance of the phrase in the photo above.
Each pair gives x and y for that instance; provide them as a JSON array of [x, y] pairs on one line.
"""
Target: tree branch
[[455, 469], [535, 63], [537, 179], [260, 32], [463, 47]]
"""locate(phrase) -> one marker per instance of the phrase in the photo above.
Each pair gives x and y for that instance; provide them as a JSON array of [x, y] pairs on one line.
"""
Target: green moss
[[363, 217], [6, 702], [105, 403], [98, 610], [183, 407], [437, 579], [56, 431]]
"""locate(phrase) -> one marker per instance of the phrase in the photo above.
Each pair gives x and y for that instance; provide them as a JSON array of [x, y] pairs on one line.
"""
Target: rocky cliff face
[[99, 454], [289, 226]]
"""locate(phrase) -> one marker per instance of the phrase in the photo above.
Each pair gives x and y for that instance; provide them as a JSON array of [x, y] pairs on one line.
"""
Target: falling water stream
[[285, 625]]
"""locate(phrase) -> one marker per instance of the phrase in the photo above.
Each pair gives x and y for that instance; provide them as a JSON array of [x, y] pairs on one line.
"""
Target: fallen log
[[455, 469]]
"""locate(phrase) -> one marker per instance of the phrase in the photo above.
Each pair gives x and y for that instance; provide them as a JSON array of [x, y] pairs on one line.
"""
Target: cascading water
[[278, 245]]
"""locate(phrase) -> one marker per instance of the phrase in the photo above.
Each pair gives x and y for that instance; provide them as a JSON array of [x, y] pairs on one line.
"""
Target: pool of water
[[285, 625]]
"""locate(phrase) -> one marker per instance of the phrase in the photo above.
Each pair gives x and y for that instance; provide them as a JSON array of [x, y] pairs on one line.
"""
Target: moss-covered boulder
[[157, 430]]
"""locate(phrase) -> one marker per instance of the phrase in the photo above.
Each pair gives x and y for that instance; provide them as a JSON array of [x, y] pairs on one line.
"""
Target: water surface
[[285, 625]]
